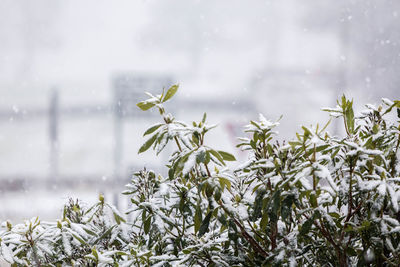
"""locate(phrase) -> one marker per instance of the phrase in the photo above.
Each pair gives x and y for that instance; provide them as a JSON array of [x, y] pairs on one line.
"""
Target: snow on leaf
[[393, 197], [382, 189], [189, 164], [6, 252], [66, 244]]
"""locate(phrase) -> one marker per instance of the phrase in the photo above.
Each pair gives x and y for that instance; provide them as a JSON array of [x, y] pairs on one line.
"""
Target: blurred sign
[[129, 90]]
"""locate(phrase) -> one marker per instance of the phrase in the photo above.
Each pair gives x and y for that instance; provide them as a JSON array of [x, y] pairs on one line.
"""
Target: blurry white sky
[[77, 45], [287, 57]]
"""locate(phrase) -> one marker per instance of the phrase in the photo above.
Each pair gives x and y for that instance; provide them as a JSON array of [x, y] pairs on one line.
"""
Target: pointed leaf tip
[[227, 156], [148, 144], [145, 105], [204, 224], [152, 129], [171, 92]]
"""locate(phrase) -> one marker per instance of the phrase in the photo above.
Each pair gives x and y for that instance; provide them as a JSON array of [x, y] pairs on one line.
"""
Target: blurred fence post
[[53, 134], [118, 149]]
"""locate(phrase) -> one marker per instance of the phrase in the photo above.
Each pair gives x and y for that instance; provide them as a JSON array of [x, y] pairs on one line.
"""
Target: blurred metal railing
[[127, 90]]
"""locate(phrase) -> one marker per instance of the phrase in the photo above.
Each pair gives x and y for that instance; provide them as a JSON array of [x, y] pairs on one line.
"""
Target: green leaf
[[334, 215], [364, 226], [286, 207], [80, 239], [197, 218], [195, 138], [201, 156], [94, 252], [148, 144], [204, 118], [313, 200], [224, 182], [326, 125], [258, 201], [344, 101], [208, 158], [186, 251], [307, 132], [375, 128], [321, 148], [146, 225], [349, 114], [264, 221], [152, 129], [209, 190], [106, 233], [350, 251], [89, 231], [306, 227], [204, 225], [227, 156], [277, 202], [160, 141], [255, 124], [171, 92], [118, 218], [145, 105], [349, 228], [395, 104], [294, 143], [171, 172], [223, 221], [217, 195], [273, 205], [181, 163], [217, 155]]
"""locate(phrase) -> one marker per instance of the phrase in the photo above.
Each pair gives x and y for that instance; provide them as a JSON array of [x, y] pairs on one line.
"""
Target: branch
[[245, 234]]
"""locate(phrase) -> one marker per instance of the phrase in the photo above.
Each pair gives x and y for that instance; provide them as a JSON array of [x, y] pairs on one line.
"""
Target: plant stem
[[257, 248], [177, 143], [208, 171]]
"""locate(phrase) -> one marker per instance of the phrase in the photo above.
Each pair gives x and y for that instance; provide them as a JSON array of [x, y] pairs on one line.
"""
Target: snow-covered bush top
[[318, 200]]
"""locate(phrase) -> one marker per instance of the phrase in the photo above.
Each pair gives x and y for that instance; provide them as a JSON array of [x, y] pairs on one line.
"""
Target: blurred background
[[72, 71]]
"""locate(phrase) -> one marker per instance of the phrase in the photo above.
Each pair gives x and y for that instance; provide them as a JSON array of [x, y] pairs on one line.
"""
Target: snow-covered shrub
[[82, 237], [318, 200]]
